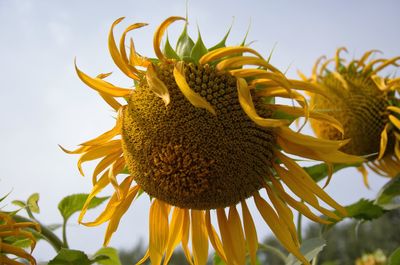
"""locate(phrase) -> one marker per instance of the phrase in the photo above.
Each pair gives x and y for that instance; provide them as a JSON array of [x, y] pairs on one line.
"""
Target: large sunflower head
[[200, 133], [10, 231], [366, 103]]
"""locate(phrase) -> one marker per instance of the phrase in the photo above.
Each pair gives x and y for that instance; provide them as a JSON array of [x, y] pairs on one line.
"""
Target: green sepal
[[169, 52], [222, 43], [184, 45], [199, 49], [246, 35]]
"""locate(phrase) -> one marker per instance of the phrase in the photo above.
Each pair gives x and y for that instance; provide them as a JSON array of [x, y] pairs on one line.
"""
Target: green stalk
[[47, 234], [274, 250], [64, 234]]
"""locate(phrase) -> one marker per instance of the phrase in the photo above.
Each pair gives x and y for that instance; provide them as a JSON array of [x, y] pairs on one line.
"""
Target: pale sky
[[44, 104]]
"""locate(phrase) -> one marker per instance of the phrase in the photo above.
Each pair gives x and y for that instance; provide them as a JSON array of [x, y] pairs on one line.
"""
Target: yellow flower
[[10, 229], [367, 105], [200, 134]]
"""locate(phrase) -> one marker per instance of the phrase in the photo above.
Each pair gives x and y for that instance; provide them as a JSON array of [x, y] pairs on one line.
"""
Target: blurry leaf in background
[[394, 258], [111, 253], [74, 257], [309, 248], [389, 196], [74, 203]]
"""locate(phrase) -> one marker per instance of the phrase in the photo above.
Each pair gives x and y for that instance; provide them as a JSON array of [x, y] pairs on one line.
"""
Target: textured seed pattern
[[360, 108], [185, 155]]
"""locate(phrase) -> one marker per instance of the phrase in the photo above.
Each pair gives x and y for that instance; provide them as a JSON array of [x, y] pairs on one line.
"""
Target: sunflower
[[200, 134], [9, 232], [368, 106]]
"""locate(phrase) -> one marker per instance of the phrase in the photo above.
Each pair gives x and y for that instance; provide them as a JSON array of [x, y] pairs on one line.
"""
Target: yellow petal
[[122, 48], [226, 51], [156, 85], [379, 82], [279, 78], [102, 86], [397, 149], [365, 57], [214, 238], [394, 109], [364, 173], [116, 55], [270, 217], [315, 67], [284, 213], [19, 252], [145, 257], [384, 139], [387, 63], [175, 233], [240, 61], [111, 101], [79, 150], [337, 57], [158, 231], [185, 236], [120, 211], [302, 177], [160, 33], [247, 104], [194, 98], [250, 232], [104, 163], [395, 121], [237, 236], [226, 237], [105, 137], [199, 237]]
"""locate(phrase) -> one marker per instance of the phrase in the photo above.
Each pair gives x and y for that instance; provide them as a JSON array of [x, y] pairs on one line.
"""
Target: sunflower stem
[[47, 234], [64, 234], [273, 250], [299, 226]]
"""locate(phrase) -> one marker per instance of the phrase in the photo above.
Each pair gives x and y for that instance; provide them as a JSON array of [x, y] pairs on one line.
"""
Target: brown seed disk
[[360, 108], [188, 157]]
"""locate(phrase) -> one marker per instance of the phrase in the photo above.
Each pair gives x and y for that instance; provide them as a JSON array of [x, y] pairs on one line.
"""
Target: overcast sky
[[44, 104]]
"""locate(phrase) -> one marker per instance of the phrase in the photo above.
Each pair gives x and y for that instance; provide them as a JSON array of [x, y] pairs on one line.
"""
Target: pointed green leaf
[[222, 43], [309, 248], [364, 210], [19, 203], [70, 257], [394, 258], [32, 203], [111, 254], [389, 196], [184, 45], [320, 171], [169, 52], [74, 203], [5, 196], [199, 49], [246, 35]]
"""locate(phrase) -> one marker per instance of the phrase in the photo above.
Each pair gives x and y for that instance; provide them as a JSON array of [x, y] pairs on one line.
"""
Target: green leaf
[[111, 254], [199, 49], [394, 258], [309, 248], [222, 43], [19, 203], [320, 171], [389, 195], [70, 257], [5, 196], [169, 52], [74, 203], [32, 203], [364, 210], [184, 45]]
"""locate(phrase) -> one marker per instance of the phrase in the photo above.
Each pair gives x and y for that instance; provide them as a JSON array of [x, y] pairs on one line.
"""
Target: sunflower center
[[188, 157], [360, 108]]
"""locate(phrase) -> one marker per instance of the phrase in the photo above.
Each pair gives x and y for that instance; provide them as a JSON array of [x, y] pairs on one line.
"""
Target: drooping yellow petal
[[226, 237], [214, 238], [237, 236], [160, 33], [194, 98], [365, 57], [284, 213], [175, 233], [105, 137], [17, 251], [278, 77], [79, 150], [226, 51], [145, 257], [364, 173], [384, 140], [295, 111], [387, 63], [185, 236], [122, 48], [270, 217], [337, 57], [156, 85], [159, 231], [111, 101], [302, 177], [315, 67], [102, 86], [104, 163], [250, 232], [379, 82], [120, 211], [341, 79], [247, 104], [395, 121], [394, 109], [199, 237]]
